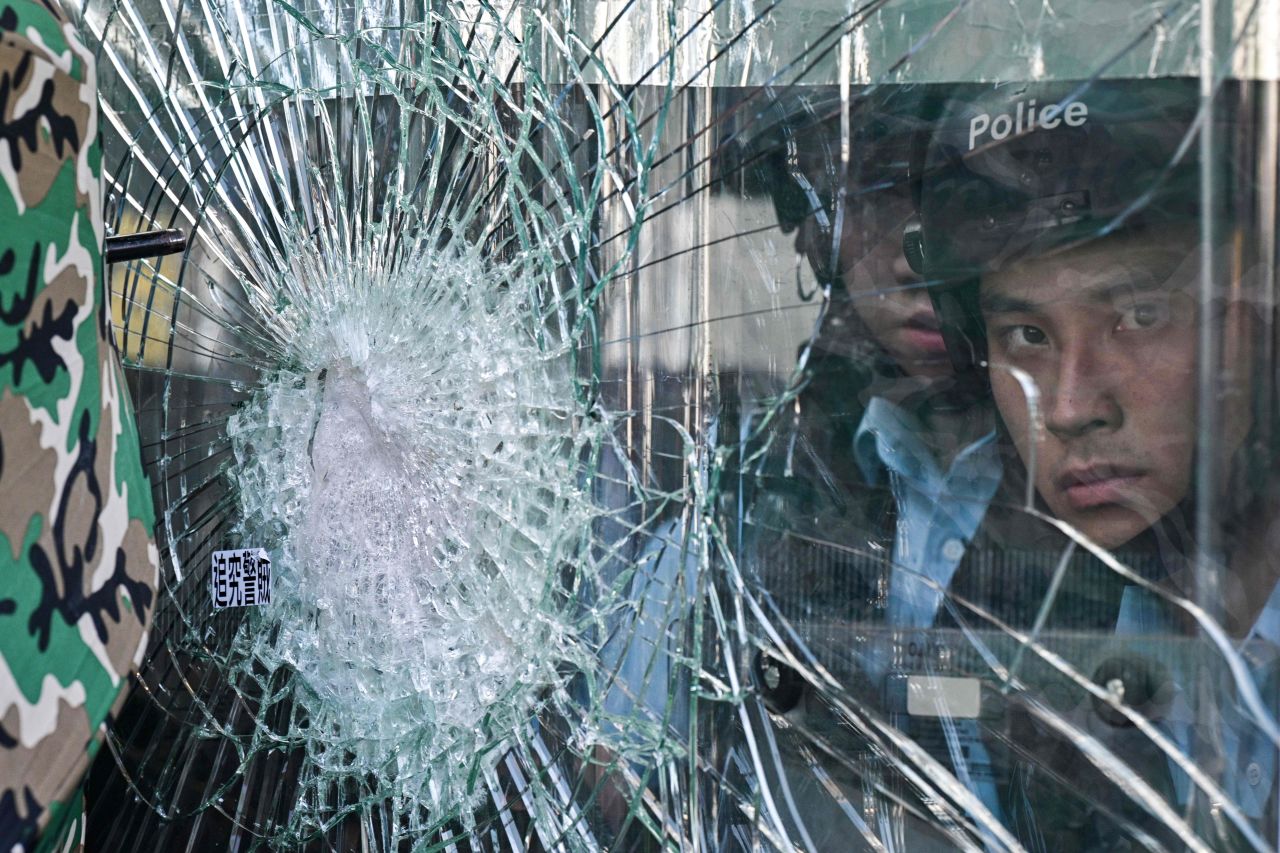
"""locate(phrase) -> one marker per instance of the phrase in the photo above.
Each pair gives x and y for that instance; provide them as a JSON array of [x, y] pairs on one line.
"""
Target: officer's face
[[1108, 335], [865, 254]]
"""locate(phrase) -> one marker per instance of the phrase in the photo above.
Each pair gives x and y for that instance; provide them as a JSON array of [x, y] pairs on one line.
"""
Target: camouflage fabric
[[77, 562]]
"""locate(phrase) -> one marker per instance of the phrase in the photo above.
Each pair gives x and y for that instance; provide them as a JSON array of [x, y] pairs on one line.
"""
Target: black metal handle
[[144, 244]]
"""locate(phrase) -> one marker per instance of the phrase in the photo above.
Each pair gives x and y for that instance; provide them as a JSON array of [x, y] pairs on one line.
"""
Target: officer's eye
[[1143, 315], [1022, 336]]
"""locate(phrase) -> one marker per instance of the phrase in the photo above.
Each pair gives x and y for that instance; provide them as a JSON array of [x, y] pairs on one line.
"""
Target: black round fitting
[[780, 685]]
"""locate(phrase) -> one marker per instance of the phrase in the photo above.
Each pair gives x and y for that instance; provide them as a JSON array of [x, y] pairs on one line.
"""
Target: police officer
[[851, 508], [1061, 225]]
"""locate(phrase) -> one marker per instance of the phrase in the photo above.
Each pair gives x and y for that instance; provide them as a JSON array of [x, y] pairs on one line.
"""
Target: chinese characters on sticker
[[240, 578]]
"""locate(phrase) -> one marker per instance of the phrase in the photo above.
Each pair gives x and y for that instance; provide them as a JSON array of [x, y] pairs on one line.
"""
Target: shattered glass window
[[728, 425]]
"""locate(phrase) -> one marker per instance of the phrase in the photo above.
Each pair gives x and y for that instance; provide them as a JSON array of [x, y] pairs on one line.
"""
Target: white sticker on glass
[[240, 578], [939, 696]]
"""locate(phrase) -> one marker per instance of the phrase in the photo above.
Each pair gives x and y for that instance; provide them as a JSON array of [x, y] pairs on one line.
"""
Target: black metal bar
[[144, 244]]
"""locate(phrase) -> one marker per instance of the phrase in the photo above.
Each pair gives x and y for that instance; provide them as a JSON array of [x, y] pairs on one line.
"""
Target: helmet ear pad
[[956, 305], [963, 330]]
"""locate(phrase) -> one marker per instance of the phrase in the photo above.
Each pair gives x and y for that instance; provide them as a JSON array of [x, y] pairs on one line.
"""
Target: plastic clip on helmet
[[1014, 171]]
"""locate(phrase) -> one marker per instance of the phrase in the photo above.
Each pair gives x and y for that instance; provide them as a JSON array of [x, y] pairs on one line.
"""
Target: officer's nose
[[902, 271], [1082, 399]]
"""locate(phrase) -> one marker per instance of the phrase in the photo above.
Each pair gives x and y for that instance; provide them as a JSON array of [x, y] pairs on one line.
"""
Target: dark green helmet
[[793, 149], [1012, 171]]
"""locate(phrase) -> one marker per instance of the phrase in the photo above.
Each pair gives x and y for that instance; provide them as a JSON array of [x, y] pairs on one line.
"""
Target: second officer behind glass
[[854, 506]]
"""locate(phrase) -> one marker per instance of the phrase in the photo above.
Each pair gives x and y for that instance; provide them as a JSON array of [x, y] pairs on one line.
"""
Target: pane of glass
[[813, 425]]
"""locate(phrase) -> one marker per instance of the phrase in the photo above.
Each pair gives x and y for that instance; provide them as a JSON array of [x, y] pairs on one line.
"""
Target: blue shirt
[[938, 512], [937, 515], [1249, 754]]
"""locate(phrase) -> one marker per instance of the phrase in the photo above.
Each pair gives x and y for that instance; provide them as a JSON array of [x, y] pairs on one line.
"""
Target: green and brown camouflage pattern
[[78, 567]]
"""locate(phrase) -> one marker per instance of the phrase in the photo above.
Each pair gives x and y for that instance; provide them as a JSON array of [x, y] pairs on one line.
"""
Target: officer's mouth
[[923, 334], [1098, 484]]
